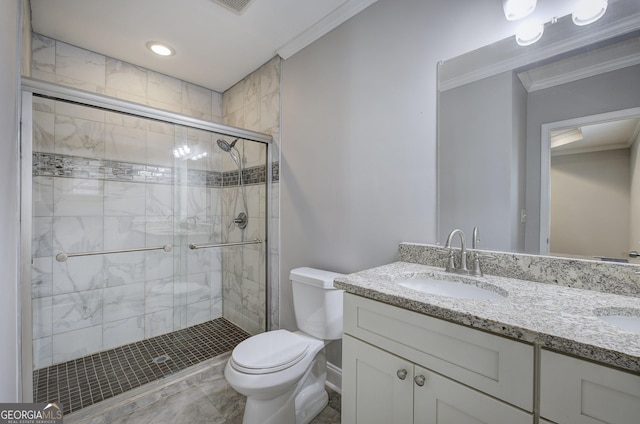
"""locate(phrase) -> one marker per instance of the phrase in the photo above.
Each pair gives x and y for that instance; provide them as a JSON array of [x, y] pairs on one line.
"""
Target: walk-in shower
[[128, 255]]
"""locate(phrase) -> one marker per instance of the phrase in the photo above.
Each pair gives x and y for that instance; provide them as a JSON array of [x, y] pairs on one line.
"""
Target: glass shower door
[[148, 247], [122, 198], [220, 229]]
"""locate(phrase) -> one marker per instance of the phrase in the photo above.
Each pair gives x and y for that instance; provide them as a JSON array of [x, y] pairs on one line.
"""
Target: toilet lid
[[269, 352]]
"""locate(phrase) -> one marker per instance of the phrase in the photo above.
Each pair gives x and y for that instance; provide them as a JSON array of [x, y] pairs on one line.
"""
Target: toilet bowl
[[283, 373]]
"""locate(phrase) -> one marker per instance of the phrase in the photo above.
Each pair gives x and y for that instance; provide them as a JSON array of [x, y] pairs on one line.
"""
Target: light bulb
[[589, 11], [529, 33], [517, 9]]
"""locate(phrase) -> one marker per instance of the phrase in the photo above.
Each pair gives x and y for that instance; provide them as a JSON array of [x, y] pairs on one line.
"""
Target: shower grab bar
[[194, 246], [62, 257]]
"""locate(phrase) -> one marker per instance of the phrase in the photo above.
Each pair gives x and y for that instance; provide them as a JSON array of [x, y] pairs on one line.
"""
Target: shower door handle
[[62, 256], [194, 246]]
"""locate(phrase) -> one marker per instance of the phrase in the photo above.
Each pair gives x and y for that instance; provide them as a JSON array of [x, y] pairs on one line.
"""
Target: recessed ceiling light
[[589, 11], [160, 49]]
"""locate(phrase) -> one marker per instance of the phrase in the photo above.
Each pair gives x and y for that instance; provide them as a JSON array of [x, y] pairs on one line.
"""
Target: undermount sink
[[626, 319], [454, 289]]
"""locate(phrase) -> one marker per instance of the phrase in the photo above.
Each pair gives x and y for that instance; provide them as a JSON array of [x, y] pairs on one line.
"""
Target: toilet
[[283, 373]]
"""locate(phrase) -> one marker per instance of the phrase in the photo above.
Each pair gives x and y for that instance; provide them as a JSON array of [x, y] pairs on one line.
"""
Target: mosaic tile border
[[93, 378], [57, 165]]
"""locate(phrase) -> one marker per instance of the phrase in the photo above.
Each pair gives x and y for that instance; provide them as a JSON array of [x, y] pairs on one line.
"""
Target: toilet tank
[[317, 304]]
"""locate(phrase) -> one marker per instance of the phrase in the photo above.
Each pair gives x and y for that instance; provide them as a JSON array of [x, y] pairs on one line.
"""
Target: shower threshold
[[84, 381]]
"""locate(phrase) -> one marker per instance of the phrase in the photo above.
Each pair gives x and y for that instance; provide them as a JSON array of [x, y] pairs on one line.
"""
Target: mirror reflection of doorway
[[594, 185]]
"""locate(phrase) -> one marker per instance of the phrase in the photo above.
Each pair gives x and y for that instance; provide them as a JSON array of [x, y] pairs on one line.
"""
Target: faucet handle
[[450, 255], [477, 270]]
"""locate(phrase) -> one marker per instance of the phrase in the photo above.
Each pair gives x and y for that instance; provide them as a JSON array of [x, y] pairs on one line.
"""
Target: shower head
[[224, 145]]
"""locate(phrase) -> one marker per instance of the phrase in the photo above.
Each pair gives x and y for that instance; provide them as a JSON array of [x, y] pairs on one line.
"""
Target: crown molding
[[506, 55], [338, 16], [606, 59]]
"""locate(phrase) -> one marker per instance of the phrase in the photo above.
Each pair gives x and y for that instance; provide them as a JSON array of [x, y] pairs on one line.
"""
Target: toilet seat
[[269, 352]]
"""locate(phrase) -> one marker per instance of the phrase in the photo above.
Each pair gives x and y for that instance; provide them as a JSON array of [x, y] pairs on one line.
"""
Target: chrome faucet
[[451, 265]]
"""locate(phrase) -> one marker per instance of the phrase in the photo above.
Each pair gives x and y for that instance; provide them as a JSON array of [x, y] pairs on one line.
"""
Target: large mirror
[[538, 145]]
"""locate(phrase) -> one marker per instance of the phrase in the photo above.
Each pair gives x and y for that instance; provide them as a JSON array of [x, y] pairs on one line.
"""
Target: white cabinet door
[[443, 401], [377, 387], [573, 391]]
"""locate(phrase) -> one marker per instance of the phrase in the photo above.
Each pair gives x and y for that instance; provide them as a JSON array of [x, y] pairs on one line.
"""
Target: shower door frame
[[58, 92]]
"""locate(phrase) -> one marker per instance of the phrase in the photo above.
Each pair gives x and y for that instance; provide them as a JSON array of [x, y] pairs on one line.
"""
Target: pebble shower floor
[[88, 380]]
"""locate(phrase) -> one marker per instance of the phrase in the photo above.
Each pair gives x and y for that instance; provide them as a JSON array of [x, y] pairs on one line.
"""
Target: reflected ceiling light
[[529, 33], [589, 11], [566, 136], [517, 9], [184, 153], [160, 49], [181, 152]]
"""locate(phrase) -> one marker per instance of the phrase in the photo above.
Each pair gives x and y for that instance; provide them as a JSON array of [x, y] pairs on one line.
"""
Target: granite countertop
[[561, 318]]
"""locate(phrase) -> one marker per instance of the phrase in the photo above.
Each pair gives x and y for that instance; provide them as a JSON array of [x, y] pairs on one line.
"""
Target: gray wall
[[590, 96], [481, 167], [588, 188], [358, 170], [9, 103], [634, 231], [518, 162]]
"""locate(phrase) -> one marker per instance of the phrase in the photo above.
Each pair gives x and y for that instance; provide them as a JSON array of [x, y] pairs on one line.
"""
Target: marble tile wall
[[62, 63], [254, 103], [86, 199], [104, 181]]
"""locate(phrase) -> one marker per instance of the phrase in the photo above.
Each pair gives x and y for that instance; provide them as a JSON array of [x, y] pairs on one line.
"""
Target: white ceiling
[[215, 47]]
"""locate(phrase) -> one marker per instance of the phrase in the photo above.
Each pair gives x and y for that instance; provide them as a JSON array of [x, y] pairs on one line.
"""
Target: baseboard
[[334, 378]]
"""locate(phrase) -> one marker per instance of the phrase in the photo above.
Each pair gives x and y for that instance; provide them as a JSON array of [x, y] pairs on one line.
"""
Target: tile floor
[[196, 395], [91, 379]]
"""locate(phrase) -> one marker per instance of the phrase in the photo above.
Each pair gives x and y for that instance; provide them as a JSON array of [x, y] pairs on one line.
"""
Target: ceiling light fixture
[[517, 9], [566, 136], [529, 33], [160, 49], [589, 11]]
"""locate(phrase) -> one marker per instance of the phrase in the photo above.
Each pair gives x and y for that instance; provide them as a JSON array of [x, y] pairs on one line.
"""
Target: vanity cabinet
[[401, 366], [379, 387], [573, 391]]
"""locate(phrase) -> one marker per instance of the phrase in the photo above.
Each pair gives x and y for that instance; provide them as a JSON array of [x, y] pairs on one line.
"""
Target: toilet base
[[279, 410], [309, 402], [299, 405]]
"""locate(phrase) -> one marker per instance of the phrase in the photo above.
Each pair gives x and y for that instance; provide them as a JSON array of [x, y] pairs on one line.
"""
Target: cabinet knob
[[420, 379], [402, 374]]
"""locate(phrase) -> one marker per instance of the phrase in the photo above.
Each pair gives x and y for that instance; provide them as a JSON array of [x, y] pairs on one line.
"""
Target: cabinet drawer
[[577, 391], [495, 365]]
